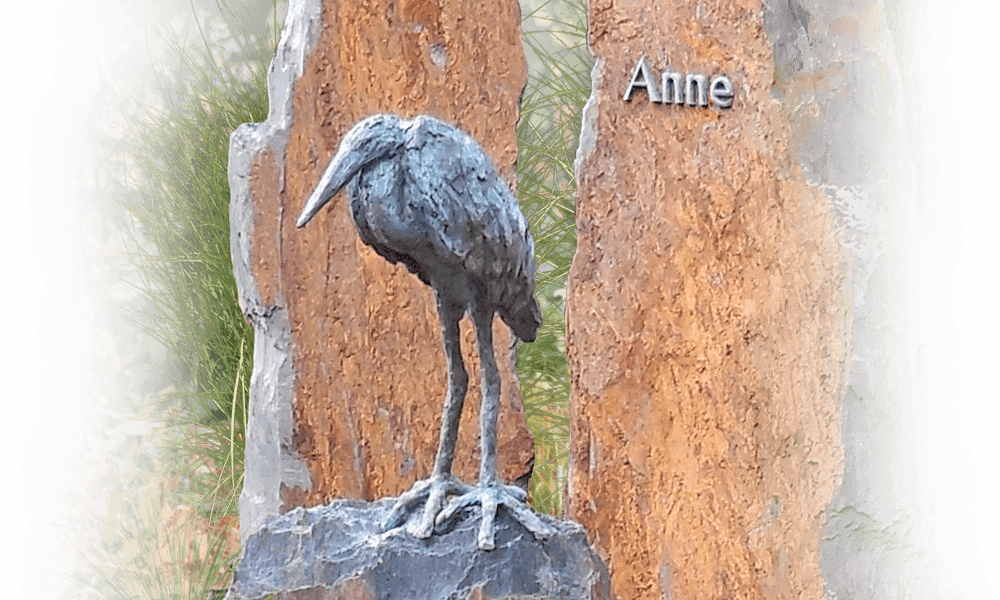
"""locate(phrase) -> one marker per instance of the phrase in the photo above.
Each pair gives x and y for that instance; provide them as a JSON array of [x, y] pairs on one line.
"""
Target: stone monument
[[349, 371], [327, 419], [746, 193]]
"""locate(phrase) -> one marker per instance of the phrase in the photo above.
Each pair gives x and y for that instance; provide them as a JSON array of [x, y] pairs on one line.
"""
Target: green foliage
[[178, 199], [169, 525], [559, 66]]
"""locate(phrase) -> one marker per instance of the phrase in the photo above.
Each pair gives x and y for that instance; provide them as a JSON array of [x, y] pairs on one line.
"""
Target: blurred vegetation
[[179, 239], [162, 517], [559, 66]]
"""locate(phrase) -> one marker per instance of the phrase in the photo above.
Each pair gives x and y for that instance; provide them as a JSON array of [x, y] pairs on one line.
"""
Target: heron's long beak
[[340, 171], [371, 139]]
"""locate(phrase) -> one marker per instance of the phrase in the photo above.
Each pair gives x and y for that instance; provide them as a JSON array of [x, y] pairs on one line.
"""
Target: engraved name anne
[[675, 88]]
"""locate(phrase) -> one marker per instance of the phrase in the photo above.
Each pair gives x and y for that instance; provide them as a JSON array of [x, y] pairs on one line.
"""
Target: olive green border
[[42, 53]]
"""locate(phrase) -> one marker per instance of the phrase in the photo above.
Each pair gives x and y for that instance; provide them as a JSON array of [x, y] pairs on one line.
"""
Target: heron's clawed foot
[[490, 497], [432, 493]]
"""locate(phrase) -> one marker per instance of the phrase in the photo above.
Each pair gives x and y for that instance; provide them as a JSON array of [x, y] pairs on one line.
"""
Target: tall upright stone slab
[[349, 372], [707, 313]]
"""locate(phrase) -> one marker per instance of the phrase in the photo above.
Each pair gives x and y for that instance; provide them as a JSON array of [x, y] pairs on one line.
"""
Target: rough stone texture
[[337, 551], [707, 320], [838, 80], [349, 371], [746, 281]]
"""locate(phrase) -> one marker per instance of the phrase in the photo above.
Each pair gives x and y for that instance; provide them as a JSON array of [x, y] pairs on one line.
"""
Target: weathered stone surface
[[840, 85], [337, 551], [707, 320], [746, 280], [349, 371]]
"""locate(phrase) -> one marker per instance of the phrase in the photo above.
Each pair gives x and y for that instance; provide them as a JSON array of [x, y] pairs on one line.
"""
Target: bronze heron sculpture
[[425, 194]]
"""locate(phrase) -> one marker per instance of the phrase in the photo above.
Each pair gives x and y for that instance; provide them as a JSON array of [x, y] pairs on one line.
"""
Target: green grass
[[554, 34], [170, 530], [180, 241], [162, 553]]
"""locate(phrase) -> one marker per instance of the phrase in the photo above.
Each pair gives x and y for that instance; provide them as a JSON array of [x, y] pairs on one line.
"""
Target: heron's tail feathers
[[517, 305], [371, 139], [525, 318]]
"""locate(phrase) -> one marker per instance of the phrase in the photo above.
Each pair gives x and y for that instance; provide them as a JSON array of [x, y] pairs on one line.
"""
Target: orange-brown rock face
[[350, 374], [706, 320]]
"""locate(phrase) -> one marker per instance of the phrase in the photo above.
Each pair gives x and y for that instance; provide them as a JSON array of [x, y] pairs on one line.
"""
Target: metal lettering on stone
[[695, 92], [642, 77], [721, 91], [692, 89], [673, 87], [425, 194]]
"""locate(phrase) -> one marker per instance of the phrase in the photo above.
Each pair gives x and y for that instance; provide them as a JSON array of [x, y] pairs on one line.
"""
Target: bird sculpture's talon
[[488, 525], [430, 494], [490, 497], [519, 493]]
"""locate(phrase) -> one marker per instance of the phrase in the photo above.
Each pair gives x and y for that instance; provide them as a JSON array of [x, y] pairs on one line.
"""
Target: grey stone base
[[337, 551]]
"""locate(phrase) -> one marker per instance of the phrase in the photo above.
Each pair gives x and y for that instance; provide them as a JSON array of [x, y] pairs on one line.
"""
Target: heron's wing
[[469, 212], [471, 219]]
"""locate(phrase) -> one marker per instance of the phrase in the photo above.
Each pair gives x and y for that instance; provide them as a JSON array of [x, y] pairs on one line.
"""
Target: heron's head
[[371, 139]]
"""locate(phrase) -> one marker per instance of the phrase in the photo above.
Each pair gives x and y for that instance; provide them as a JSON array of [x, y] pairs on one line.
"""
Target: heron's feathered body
[[425, 194]]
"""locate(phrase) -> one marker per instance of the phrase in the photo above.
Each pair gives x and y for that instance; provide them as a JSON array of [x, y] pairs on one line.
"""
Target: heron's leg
[[433, 490], [491, 493], [458, 384], [489, 407]]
